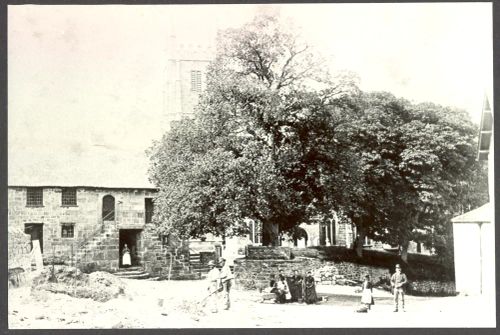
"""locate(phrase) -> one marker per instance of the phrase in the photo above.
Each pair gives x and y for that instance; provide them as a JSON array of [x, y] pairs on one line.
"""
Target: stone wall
[[207, 256], [432, 288], [305, 252], [255, 274], [19, 248], [170, 261], [357, 272], [102, 253], [260, 252]]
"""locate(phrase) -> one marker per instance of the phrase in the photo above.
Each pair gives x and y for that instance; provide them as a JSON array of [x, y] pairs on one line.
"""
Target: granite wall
[[253, 274]]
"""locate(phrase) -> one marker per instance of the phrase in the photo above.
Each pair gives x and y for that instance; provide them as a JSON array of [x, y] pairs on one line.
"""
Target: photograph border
[[318, 331]]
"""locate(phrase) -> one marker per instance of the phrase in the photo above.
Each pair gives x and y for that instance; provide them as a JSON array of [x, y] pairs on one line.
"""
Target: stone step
[[201, 269], [129, 273], [131, 268], [143, 275], [153, 278]]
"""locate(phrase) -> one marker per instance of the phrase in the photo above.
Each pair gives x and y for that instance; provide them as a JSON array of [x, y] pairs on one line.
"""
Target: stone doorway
[[35, 230], [132, 238]]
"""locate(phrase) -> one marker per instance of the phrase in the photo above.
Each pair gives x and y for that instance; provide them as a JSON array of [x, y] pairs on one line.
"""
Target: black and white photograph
[[302, 165]]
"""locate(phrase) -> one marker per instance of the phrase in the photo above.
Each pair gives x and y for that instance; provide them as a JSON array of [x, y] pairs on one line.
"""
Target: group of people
[[294, 288], [219, 281]]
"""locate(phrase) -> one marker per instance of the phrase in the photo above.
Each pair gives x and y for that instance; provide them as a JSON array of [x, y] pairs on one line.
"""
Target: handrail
[[96, 232]]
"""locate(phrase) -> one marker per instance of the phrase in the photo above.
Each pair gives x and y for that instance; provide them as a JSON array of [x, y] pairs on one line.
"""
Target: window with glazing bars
[[196, 81], [69, 197], [34, 197], [67, 230]]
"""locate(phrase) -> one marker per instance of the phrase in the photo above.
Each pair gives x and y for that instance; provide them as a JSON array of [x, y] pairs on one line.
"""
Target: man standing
[[398, 282], [225, 277], [213, 279]]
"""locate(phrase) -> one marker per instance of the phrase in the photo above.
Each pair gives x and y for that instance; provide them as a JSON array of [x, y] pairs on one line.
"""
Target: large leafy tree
[[263, 144], [418, 169], [279, 140]]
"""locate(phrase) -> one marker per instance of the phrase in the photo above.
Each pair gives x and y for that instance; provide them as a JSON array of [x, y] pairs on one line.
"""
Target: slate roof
[[479, 215]]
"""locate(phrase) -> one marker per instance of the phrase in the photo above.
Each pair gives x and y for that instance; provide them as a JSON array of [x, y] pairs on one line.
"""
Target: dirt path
[[149, 304]]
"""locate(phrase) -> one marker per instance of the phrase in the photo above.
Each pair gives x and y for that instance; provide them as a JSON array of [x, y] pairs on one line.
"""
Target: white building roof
[[479, 215]]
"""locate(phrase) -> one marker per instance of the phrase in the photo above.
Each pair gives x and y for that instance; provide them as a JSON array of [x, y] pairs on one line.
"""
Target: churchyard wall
[[255, 273]]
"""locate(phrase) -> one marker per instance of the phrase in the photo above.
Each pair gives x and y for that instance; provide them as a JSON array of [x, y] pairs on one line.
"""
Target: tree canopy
[[417, 163], [277, 139]]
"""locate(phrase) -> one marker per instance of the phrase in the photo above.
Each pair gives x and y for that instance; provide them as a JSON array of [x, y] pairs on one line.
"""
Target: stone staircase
[[197, 266], [85, 251], [134, 272]]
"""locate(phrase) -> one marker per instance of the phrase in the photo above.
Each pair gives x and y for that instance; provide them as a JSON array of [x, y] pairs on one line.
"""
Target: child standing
[[367, 293]]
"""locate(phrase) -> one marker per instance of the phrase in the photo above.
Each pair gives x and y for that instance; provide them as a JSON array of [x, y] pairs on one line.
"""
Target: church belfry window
[[196, 81]]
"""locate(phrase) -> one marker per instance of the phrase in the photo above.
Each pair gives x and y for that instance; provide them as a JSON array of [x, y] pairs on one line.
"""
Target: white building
[[474, 232]]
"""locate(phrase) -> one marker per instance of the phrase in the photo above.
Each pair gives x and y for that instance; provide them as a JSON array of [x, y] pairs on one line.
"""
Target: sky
[[87, 76]]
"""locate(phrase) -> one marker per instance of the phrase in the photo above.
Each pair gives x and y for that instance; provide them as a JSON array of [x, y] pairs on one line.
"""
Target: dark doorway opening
[[132, 238], [35, 230]]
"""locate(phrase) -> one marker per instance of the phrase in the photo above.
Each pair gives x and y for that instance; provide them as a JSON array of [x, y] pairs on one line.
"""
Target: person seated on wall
[[283, 292]]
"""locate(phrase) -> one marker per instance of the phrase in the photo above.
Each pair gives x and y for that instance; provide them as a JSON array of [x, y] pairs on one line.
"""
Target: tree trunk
[[270, 234], [404, 250], [360, 238], [406, 238]]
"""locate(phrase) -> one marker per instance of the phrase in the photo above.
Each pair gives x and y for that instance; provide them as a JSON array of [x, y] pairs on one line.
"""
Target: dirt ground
[[172, 304]]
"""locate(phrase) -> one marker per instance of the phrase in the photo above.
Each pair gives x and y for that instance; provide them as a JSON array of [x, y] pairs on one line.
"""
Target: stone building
[[85, 215], [65, 219]]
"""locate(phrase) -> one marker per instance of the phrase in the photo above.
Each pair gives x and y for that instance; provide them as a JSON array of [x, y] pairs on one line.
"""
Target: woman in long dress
[[296, 286], [367, 293], [310, 296], [126, 256]]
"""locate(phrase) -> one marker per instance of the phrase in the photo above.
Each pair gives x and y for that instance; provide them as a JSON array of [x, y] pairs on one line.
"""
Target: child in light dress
[[367, 293]]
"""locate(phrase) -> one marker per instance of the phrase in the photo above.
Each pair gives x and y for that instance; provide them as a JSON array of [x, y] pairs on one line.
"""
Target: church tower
[[185, 72]]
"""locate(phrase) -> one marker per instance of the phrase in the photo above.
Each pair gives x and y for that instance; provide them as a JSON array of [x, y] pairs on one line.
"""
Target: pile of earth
[[98, 286]]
